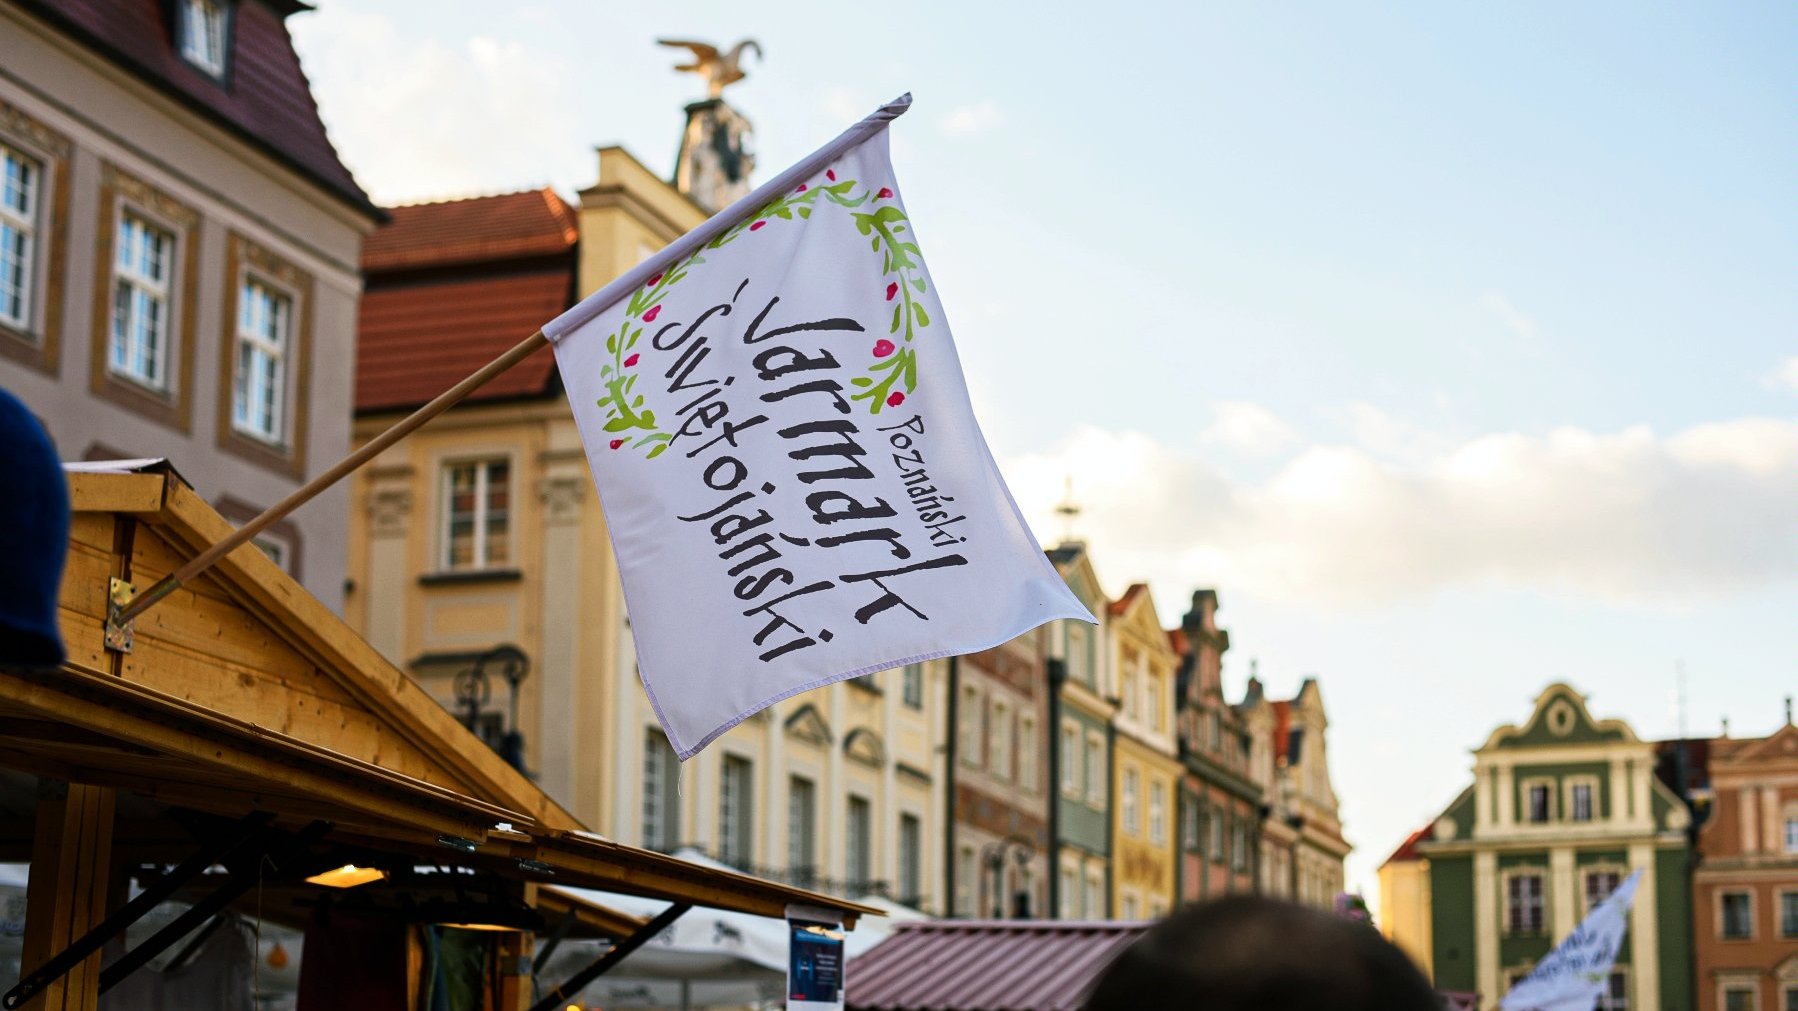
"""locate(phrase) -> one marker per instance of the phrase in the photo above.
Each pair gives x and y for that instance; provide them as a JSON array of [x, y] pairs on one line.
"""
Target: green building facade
[[1562, 809]]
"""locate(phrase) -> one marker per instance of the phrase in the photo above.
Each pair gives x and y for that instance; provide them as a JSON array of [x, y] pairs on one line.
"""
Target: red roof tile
[[417, 340], [1122, 604], [1177, 639], [975, 965], [479, 229], [1407, 851], [1282, 724], [265, 97]]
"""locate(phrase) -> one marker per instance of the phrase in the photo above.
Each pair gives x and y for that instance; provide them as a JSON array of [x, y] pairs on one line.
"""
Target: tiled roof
[[480, 229], [451, 286], [992, 965], [1407, 851], [1177, 639], [1122, 604], [416, 340], [265, 98], [1282, 724]]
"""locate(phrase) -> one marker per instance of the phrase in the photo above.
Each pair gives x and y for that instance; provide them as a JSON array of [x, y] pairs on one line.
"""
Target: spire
[[1069, 511]]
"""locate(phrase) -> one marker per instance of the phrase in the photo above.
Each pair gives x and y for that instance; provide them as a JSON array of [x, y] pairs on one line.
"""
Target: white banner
[[1571, 977], [796, 488]]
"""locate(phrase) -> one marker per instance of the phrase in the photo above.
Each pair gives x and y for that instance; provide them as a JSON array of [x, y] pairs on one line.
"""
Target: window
[[1027, 752], [21, 183], [1094, 907], [203, 35], [1239, 847], [1157, 813], [1788, 914], [1080, 666], [1523, 904], [1131, 825], [264, 322], [1615, 996], [1157, 707], [1070, 758], [1789, 1000], [1581, 794], [1070, 894], [140, 302], [1738, 916], [278, 550], [1214, 827], [965, 882], [999, 738], [1599, 886], [969, 745], [1540, 799], [1737, 997], [911, 685], [1130, 907], [1791, 839], [859, 842], [477, 515], [661, 804], [1216, 727], [911, 855], [734, 800], [1189, 823], [1095, 769], [1127, 688], [802, 830]]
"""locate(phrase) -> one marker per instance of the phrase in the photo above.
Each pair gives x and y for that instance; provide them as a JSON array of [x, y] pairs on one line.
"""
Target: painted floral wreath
[[895, 363]]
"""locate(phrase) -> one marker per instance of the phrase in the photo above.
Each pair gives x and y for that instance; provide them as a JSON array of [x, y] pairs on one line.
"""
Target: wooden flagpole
[[306, 492]]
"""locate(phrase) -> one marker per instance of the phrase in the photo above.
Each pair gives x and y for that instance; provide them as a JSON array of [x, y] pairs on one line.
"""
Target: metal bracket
[[561, 995], [118, 633]]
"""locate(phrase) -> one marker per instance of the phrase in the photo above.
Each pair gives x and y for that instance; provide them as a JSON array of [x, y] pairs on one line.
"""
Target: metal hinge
[[118, 634]]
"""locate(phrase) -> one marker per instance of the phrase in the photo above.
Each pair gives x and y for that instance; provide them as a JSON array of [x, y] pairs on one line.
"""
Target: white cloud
[[1784, 376], [1246, 428], [417, 119], [1520, 325], [1624, 517], [971, 120]]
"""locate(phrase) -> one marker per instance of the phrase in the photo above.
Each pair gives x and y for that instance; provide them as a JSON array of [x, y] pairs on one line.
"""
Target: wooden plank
[[138, 494], [227, 634], [340, 652], [93, 530], [70, 870]]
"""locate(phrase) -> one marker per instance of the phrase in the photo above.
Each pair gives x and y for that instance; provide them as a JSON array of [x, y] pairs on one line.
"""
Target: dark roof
[[265, 98], [476, 230], [989, 965], [451, 286]]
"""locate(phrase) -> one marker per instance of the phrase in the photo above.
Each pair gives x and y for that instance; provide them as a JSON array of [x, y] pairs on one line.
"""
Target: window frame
[[197, 57], [248, 262], [1728, 987], [1072, 758], [1512, 925], [1572, 787], [29, 224], [1026, 765], [858, 843], [736, 815], [37, 341], [1157, 812], [802, 828], [911, 686], [1000, 734], [971, 719], [1787, 903], [1588, 872], [1722, 910], [656, 769], [446, 468], [1527, 788], [911, 859], [120, 193], [1097, 775], [277, 348], [1129, 803], [159, 291]]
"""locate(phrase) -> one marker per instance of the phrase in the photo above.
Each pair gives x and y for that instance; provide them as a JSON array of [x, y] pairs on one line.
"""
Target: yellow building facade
[[484, 530], [1145, 759]]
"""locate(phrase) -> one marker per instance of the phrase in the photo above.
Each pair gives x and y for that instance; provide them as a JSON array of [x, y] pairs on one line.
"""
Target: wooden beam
[[70, 871], [138, 494]]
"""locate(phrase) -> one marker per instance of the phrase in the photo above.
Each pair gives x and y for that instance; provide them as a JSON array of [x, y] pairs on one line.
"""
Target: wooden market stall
[[238, 738]]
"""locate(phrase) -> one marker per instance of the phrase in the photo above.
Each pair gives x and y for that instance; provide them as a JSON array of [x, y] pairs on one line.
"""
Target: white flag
[[1575, 974], [778, 426]]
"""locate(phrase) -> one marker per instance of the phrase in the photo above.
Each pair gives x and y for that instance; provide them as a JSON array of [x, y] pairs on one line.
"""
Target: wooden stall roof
[[242, 692]]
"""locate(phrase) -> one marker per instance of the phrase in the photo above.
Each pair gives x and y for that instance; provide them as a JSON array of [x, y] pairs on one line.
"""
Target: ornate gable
[[865, 746], [1561, 718], [808, 725]]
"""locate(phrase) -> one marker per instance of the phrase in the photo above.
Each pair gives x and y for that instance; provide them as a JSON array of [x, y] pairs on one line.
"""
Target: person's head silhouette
[[1254, 954]]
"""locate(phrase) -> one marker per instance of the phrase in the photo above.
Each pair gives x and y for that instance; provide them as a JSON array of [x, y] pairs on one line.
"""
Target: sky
[[1453, 344]]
